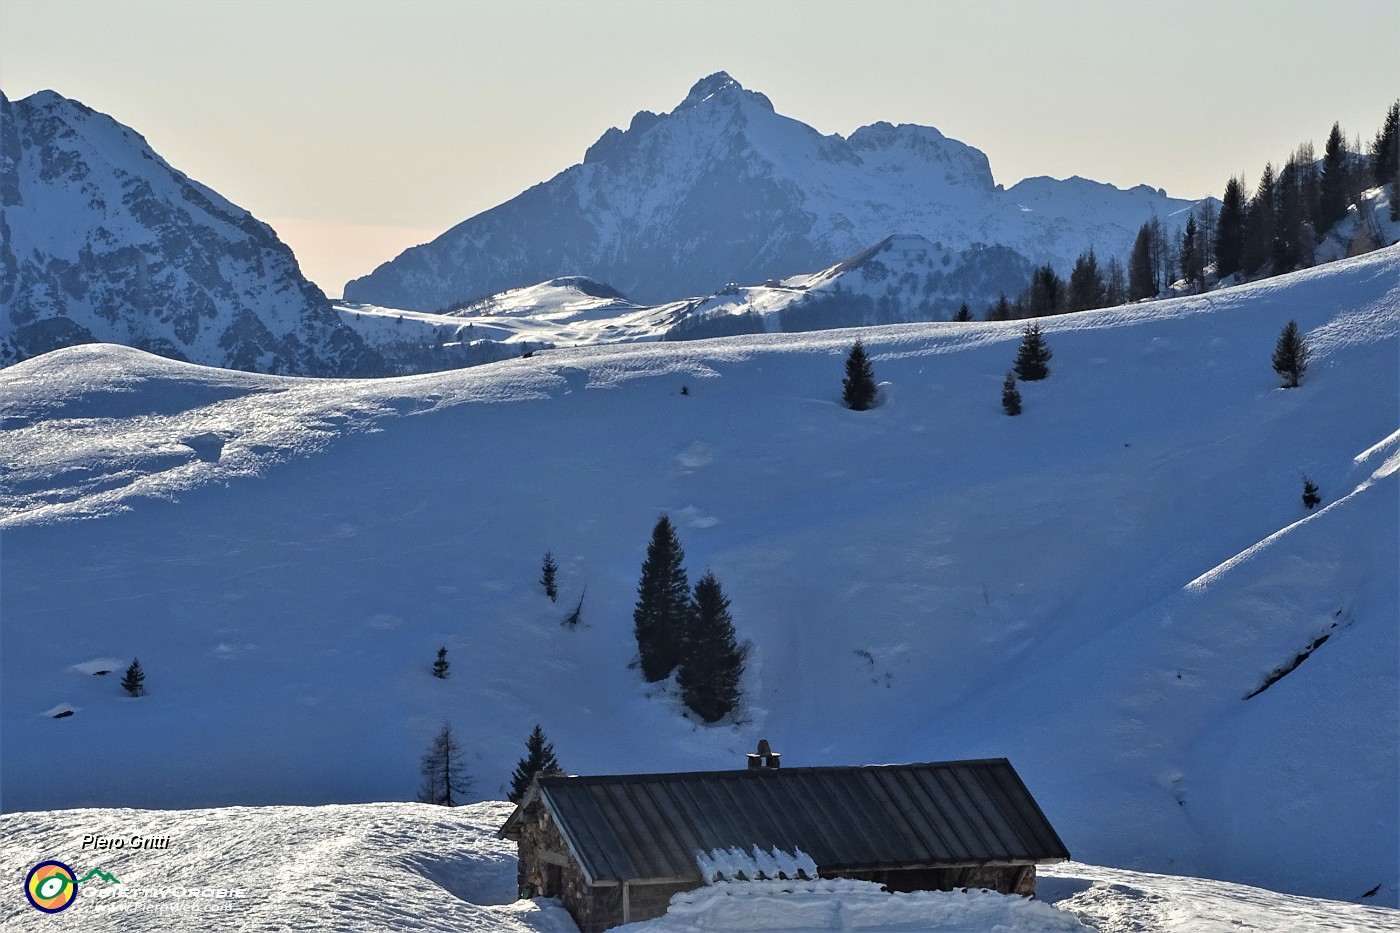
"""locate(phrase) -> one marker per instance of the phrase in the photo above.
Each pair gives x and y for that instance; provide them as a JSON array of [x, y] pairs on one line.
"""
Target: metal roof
[[648, 827]]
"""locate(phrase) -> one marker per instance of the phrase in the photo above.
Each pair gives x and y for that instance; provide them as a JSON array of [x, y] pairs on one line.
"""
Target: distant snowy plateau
[[1120, 590]]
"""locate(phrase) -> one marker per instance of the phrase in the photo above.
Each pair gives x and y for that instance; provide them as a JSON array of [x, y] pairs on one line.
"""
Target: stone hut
[[615, 848]]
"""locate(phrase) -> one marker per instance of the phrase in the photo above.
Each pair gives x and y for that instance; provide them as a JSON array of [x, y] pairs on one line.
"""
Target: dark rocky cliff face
[[102, 240]]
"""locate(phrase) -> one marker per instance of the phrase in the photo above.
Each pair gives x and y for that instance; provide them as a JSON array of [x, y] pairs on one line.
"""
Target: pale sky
[[358, 128]]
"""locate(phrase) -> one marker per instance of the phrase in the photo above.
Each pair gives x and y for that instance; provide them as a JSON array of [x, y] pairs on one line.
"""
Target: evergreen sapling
[[547, 571], [441, 665], [134, 680], [1010, 397], [539, 759], [1033, 356], [1310, 495], [858, 388], [1291, 356]]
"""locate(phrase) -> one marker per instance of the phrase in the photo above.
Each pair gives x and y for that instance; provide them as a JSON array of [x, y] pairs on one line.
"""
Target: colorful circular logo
[[51, 887]]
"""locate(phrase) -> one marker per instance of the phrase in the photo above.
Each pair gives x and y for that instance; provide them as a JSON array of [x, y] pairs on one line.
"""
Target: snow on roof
[[649, 826]]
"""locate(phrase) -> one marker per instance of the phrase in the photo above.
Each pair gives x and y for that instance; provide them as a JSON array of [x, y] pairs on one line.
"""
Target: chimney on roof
[[764, 758]]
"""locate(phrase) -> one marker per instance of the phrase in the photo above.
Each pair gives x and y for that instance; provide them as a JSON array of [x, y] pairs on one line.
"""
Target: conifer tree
[[1191, 260], [1033, 356], [547, 571], [713, 665], [1086, 285], [1335, 185], [1385, 158], [1001, 311], [964, 314], [539, 758], [1288, 221], [1229, 230], [1142, 277], [1115, 285], [133, 681], [445, 781], [1385, 150], [1162, 257], [663, 604], [1046, 292], [1010, 396], [441, 665], [1259, 225], [1206, 216], [858, 388], [1308, 192], [1310, 495], [1291, 356]]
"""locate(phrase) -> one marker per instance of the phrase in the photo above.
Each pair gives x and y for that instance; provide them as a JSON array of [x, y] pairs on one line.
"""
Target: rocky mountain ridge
[[724, 189], [101, 240]]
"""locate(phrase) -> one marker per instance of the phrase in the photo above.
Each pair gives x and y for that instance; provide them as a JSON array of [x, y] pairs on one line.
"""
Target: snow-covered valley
[[1091, 589]]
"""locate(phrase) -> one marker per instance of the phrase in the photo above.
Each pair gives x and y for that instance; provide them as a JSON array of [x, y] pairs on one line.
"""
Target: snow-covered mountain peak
[[721, 88], [106, 241], [725, 189]]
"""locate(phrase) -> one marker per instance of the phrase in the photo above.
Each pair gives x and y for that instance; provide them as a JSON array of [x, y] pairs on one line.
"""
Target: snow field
[[377, 867], [1090, 589]]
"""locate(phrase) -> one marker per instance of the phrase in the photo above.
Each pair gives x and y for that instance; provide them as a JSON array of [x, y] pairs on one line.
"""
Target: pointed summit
[[720, 84]]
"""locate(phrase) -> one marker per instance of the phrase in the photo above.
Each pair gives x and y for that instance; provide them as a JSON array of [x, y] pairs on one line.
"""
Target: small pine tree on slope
[[547, 571], [1010, 396], [663, 604], [539, 757], [1291, 356], [714, 663], [445, 781], [1310, 493], [1033, 356], [859, 389], [441, 665], [134, 679]]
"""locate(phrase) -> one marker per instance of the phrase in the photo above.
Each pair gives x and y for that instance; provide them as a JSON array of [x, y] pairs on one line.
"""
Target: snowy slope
[[898, 280], [563, 312], [724, 189], [102, 240], [376, 867], [1091, 589]]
